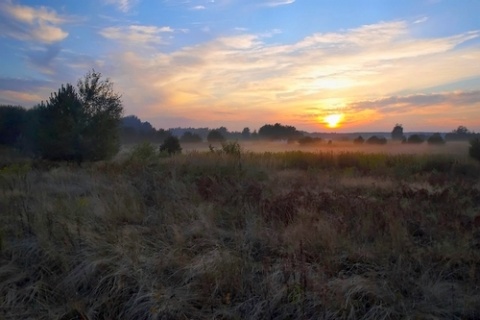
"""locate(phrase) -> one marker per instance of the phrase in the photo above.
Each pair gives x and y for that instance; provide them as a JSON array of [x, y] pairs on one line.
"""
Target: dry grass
[[266, 236]]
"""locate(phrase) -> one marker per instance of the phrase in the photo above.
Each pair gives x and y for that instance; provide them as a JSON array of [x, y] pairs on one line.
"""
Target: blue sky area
[[244, 63]]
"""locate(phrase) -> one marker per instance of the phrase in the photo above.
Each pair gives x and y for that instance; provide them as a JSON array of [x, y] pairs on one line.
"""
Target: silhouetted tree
[[460, 134], [376, 140], [415, 139], [358, 140], [215, 136], [246, 133], [474, 150], [12, 122], [397, 132], [189, 137], [278, 132], [436, 138], [171, 145], [81, 126]]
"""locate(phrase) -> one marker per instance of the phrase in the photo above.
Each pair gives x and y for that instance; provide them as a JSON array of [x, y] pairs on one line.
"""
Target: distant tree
[[215, 136], [12, 122], [358, 140], [78, 126], [474, 150], [189, 137], [460, 134], [309, 140], [278, 132], [246, 134], [171, 145], [415, 139], [436, 138], [376, 140], [397, 132]]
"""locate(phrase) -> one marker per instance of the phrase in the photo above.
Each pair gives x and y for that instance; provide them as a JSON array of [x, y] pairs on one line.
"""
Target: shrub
[[143, 152], [215, 136], [376, 140], [474, 149], [436, 138], [232, 148], [358, 140], [415, 139], [171, 145]]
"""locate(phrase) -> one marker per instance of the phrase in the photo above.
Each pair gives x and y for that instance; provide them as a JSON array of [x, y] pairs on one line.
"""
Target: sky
[[367, 64]]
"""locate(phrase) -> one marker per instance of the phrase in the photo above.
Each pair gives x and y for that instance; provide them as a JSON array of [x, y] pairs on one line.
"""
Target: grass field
[[329, 232]]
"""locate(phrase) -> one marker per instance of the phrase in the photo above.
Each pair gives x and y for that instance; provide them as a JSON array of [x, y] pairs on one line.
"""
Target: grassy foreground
[[290, 235]]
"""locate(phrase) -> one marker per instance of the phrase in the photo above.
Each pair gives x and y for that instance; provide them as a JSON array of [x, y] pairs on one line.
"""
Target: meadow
[[331, 232]]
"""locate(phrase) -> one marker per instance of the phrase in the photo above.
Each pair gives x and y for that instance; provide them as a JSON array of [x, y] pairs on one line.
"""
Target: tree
[[171, 145], [78, 126], [215, 136], [474, 150], [278, 132], [460, 134], [12, 120], [397, 132], [436, 138], [103, 111], [189, 137], [358, 140], [415, 139], [246, 133], [376, 140]]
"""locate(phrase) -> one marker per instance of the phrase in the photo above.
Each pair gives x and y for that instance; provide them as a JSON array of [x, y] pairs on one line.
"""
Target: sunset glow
[[244, 63], [333, 120]]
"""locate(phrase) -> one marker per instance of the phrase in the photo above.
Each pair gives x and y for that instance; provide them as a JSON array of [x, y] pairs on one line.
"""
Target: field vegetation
[[227, 233]]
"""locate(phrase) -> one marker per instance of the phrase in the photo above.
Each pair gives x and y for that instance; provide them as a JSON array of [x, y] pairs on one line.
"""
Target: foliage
[[460, 134], [358, 140], [309, 140], [12, 122], [474, 149], [232, 148], [278, 132], [246, 133], [436, 138], [171, 145], [77, 126], [215, 136], [143, 152], [415, 139], [376, 140], [189, 137], [397, 132]]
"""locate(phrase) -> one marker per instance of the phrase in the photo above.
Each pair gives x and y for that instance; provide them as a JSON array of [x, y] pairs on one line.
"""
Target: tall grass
[[215, 236]]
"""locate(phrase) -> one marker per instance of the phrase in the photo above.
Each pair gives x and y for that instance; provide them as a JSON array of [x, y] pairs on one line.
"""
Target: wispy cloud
[[26, 23], [276, 3], [122, 5], [136, 34]]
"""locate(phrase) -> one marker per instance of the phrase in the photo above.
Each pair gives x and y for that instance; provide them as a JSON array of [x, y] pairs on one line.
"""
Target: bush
[[474, 150], [232, 148], [189, 137], [143, 152], [171, 145], [436, 138], [376, 140], [415, 139], [215, 136], [358, 140]]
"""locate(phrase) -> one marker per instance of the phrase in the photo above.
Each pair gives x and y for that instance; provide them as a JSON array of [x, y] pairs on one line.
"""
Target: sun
[[333, 120]]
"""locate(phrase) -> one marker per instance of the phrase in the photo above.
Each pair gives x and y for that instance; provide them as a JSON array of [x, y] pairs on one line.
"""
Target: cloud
[[27, 23], [276, 3], [136, 34], [405, 104], [199, 7], [122, 5], [252, 78]]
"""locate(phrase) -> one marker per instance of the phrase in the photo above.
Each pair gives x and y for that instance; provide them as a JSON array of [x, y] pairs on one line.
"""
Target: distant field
[[453, 148]]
